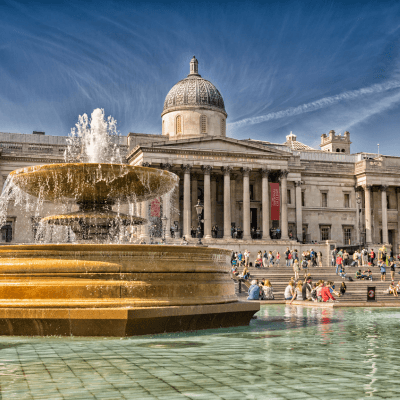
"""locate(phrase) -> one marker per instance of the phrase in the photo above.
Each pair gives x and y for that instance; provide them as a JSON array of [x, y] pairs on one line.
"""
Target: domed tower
[[193, 107]]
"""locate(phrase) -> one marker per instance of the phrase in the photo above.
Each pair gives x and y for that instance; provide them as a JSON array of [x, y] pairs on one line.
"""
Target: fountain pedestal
[[116, 290]]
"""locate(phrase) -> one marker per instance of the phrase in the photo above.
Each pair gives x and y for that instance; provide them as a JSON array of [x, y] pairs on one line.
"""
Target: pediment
[[220, 145]]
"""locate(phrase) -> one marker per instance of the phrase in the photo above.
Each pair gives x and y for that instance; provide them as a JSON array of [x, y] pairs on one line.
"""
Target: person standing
[[287, 252], [339, 262], [372, 255], [392, 266], [319, 258], [246, 258], [240, 258], [265, 259], [296, 269], [334, 254], [382, 266]]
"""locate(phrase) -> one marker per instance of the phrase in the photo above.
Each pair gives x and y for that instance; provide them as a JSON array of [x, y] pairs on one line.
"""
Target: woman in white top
[[289, 291]]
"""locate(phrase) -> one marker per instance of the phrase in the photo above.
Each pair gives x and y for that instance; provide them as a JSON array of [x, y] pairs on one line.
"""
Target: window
[[251, 192], [7, 232], [337, 150], [324, 199], [347, 230], [303, 198], [289, 197], [325, 232], [203, 124], [343, 150], [347, 200], [178, 125], [387, 201], [222, 127]]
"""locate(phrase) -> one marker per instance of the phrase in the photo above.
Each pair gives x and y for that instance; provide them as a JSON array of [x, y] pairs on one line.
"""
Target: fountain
[[97, 286]]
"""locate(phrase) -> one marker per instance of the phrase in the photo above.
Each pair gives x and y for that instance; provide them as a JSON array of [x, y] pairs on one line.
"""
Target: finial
[[194, 67]]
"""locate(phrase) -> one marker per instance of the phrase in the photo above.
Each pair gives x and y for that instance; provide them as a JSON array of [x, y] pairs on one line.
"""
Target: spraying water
[[91, 190], [94, 140]]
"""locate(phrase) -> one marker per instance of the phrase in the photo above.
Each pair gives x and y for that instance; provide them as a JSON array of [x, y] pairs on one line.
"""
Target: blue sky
[[306, 67]]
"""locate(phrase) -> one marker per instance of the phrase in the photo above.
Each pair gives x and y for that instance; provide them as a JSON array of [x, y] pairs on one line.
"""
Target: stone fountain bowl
[[116, 290], [94, 182]]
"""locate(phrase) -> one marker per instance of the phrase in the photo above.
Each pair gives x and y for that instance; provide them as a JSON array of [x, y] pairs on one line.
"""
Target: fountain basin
[[94, 183], [116, 290]]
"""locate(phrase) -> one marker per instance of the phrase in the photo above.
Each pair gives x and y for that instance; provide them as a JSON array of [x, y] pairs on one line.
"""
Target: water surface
[[287, 353]]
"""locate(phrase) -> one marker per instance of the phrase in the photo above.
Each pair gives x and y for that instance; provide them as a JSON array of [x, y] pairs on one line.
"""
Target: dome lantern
[[194, 67]]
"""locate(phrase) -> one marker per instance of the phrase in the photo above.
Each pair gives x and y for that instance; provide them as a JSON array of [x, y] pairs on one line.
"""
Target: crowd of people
[[267, 259], [301, 287]]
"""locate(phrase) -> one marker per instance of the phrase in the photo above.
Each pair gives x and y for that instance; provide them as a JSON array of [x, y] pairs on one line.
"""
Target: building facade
[[327, 195]]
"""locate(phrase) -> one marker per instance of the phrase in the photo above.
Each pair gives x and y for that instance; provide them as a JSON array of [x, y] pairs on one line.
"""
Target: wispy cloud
[[319, 104]]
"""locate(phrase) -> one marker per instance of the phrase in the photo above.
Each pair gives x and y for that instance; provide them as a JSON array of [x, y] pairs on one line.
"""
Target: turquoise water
[[287, 353]]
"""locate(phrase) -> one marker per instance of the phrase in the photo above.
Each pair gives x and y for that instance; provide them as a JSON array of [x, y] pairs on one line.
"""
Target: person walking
[[382, 266], [392, 266]]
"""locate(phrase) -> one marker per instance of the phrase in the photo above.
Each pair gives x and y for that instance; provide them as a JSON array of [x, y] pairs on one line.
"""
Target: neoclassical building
[[326, 196]]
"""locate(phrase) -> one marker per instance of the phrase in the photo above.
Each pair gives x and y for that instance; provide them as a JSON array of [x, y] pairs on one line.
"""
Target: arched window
[[222, 127], [203, 124], [178, 125], [343, 150], [337, 150]]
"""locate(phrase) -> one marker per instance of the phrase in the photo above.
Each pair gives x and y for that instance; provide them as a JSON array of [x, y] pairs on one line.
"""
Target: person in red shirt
[[326, 293], [339, 262]]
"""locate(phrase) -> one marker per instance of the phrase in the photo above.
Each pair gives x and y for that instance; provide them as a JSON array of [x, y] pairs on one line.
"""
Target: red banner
[[155, 208], [275, 201]]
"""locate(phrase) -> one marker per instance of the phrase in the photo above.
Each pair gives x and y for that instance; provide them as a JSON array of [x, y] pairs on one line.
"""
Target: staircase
[[356, 290]]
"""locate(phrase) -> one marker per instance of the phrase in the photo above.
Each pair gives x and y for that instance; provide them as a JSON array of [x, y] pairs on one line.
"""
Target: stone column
[[187, 218], [284, 218], [195, 178], [167, 205], [299, 212], [227, 201], [398, 221], [213, 199], [207, 201], [265, 203], [385, 235], [368, 225], [246, 203], [145, 228], [233, 200]]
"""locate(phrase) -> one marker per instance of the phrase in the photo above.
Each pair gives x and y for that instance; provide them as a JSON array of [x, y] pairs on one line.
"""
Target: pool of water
[[286, 353]]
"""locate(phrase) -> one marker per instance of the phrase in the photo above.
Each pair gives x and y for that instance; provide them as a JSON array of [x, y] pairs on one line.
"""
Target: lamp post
[[199, 209], [358, 200], [164, 226]]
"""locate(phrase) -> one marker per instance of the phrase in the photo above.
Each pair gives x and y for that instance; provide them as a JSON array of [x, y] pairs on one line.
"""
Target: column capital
[[297, 183], [367, 187], [283, 174], [245, 171], [146, 164], [186, 168], [265, 172], [206, 169], [166, 166], [226, 170], [384, 188]]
